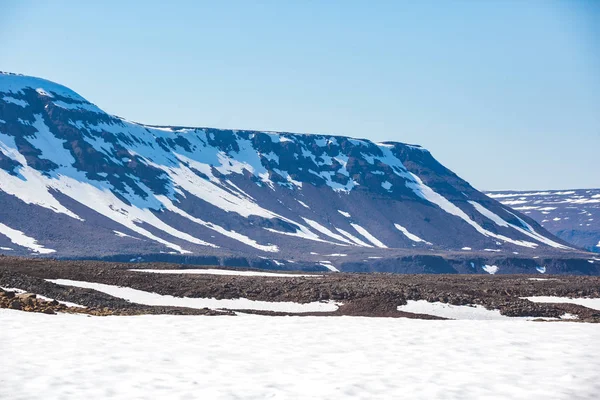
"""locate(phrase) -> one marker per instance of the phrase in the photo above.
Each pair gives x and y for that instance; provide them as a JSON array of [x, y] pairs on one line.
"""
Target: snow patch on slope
[[529, 231], [20, 239], [320, 228], [353, 238], [368, 236], [490, 269], [428, 194], [409, 235], [19, 102], [231, 233]]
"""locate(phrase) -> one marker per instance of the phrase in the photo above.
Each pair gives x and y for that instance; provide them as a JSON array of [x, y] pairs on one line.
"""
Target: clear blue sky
[[505, 93]]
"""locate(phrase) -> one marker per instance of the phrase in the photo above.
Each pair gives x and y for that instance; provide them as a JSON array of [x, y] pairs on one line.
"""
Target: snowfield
[[155, 299], [252, 357], [582, 301], [475, 312]]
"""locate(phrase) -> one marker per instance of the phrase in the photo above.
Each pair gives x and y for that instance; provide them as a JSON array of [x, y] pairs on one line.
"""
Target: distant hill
[[572, 215]]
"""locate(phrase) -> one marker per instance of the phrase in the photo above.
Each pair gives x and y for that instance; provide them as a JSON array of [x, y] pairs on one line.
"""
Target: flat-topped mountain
[[76, 182]]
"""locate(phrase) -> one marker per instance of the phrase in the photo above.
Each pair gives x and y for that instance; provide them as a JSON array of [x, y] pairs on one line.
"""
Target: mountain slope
[[77, 182], [572, 215]]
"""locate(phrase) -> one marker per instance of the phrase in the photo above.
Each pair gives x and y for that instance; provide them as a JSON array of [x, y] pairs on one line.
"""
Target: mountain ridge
[[277, 196]]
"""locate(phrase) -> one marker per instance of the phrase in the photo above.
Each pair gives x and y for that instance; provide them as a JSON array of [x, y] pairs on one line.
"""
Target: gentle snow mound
[[255, 357], [21, 239]]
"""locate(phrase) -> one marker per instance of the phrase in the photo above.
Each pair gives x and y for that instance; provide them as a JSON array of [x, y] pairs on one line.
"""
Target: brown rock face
[[15, 305]]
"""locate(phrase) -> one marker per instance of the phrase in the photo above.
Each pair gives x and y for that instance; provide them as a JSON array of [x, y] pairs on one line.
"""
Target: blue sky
[[505, 93]]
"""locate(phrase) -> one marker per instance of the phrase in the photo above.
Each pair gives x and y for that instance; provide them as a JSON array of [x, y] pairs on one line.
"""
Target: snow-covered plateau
[[76, 182], [67, 357]]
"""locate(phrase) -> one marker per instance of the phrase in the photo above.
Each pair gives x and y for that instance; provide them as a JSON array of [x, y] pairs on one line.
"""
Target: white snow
[[353, 238], [409, 235], [42, 92], [78, 106], [256, 357], [6, 248], [541, 270], [327, 264], [344, 213], [303, 233], [20, 239], [386, 185], [33, 187], [569, 316], [505, 195], [444, 310], [19, 102], [490, 269], [582, 301], [368, 236], [12, 83], [229, 233], [528, 230], [121, 234], [303, 204], [466, 248], [155, 299], [424, 191], [320, 228], [212, 271], [523, 208]]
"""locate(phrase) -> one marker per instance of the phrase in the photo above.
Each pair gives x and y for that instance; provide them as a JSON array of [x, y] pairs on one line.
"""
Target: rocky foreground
[[374, 295]]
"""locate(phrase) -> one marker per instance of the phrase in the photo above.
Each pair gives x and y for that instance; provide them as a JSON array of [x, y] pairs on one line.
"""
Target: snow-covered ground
[[155, 299], [475, 312], [586, 302], [254, 357]]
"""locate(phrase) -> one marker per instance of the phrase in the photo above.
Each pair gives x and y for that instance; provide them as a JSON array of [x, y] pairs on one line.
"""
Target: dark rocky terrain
[[572, 215], [76, 182], [361, 294]]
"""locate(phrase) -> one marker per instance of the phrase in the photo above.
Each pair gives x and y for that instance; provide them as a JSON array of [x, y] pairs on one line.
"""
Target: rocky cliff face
[[76, 182]]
